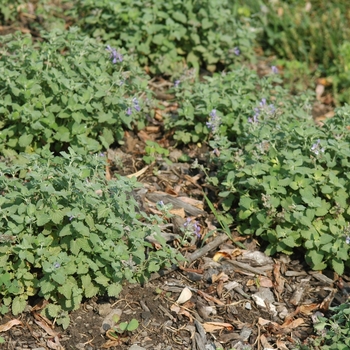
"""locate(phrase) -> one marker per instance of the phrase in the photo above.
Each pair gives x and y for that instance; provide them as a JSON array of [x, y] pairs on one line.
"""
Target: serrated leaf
[[102, 280], [18, 305], [53, 310], [66, 231], [338, 266], [114, 289], [56, 216], [42, 219]]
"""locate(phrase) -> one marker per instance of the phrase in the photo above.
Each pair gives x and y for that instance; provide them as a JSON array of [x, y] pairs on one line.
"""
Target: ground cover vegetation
[[70, 94]]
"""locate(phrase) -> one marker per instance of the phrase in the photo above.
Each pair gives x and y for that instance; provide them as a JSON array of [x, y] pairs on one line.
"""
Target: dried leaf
[[308, 309], [265, 344], [220, 277], [8, 325], [294, 324], [265, 282], [185, 295], [214, 326], [55, 345], [179, 212], [281, 345], [220, 255], [46, 328]]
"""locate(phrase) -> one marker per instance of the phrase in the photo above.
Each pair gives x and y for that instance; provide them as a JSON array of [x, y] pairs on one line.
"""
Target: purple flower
[[129, 111], [263, 102], [316, 147], [236, 51], [115, 55], [214, 121], [274, 70], [176, 83], [71, 217], [56, 265], [192, 227], [136, 104], [347, 240], [161, 203]]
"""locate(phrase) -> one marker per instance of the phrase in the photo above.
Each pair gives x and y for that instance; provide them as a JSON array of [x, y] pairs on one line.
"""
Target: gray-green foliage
[[67, 233], [288, 182], [65, 91], [166, 34], [333, 333], [281, 177]]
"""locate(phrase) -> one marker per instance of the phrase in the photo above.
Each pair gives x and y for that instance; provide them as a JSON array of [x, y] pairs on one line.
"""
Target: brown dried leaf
[[265, 344], [265, 282], [214, 326], [281, 345], [179, 212], [46, 328], [308, 309], [220, 277], [8, 325], [55, 344], [292, 324]]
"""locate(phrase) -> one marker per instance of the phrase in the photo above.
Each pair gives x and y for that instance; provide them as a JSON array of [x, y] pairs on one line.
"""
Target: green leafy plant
[[67, 233], [154, 150], [122, 327], [228, 96], [333, 333], [67, 91], [315, 32], [166, 35], [287, 181]]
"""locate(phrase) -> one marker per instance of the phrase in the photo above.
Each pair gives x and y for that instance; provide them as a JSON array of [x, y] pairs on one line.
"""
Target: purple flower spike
[[236, 51], [177, 83], [115, 55], [129, 111], [274, 70]]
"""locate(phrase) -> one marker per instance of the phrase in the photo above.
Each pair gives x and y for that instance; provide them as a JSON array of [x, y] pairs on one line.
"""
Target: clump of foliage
[[288, 182], [333, 332], [164, 35], [316, 32], [66, 91], [67, 233], [230, 96], [282, 178]]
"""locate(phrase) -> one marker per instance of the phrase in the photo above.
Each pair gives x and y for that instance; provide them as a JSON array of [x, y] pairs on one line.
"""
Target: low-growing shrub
[[286, 180], [67, 233], [66, 91], [166, 35], [229, 97]]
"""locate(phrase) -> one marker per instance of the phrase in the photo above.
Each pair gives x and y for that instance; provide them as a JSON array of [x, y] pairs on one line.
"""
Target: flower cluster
[[263, 107], [316, 147], [214, 121], [115, 55], [136, 106], [192, 227]]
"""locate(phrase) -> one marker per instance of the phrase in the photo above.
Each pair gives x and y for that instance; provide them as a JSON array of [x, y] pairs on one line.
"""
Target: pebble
[[136, 347]]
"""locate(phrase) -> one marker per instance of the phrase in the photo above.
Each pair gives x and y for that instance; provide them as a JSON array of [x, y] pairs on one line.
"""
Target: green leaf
[[114, 289], [180, 17], [102, 280], [42, 219], [132, 325], [18, 304], [338, 266], [25, 140]]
